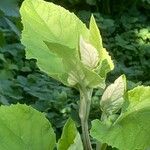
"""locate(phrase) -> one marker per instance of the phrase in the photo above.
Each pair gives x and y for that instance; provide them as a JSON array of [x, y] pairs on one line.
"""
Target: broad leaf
[[70, 139], [131, 131], [112, 98], [22, 128], [56, 47], [45, 21]]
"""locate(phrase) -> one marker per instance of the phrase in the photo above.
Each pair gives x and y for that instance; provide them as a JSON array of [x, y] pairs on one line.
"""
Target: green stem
[[85, 103]]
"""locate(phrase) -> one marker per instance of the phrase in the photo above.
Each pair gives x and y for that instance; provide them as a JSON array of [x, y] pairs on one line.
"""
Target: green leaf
[[22, 128], [45, 21], [13, 27], [68, 58], [95, 37], [78, 73], [75, 71], [106, 64], [112, 98], [131, 131], [70, 139], [56, 47]]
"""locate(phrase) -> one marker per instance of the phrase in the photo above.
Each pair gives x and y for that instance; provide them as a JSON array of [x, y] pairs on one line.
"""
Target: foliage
[[74, 55], [130, 130], [22, 127], [70, 139], [125, 34], [20, 130], [12, 58], [77, 69], [20, 79], [130, 38], [55, 48]]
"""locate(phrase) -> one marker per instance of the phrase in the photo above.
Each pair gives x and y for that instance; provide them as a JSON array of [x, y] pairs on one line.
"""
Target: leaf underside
[[112, 98]]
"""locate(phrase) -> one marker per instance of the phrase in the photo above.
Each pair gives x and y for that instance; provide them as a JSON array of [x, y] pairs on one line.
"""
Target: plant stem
[[85, 103]]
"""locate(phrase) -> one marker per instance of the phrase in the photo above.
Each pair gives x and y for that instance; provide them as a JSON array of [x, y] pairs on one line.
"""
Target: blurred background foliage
[[125, 29]]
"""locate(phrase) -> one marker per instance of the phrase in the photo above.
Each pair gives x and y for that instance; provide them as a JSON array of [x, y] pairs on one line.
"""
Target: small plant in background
[[71, 53]]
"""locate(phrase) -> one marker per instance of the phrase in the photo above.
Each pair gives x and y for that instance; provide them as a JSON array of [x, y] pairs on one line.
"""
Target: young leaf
[[106, 64], [89, 54], [70, 139], [95, 37], [112, 98], [131, 131], [22, 128]]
